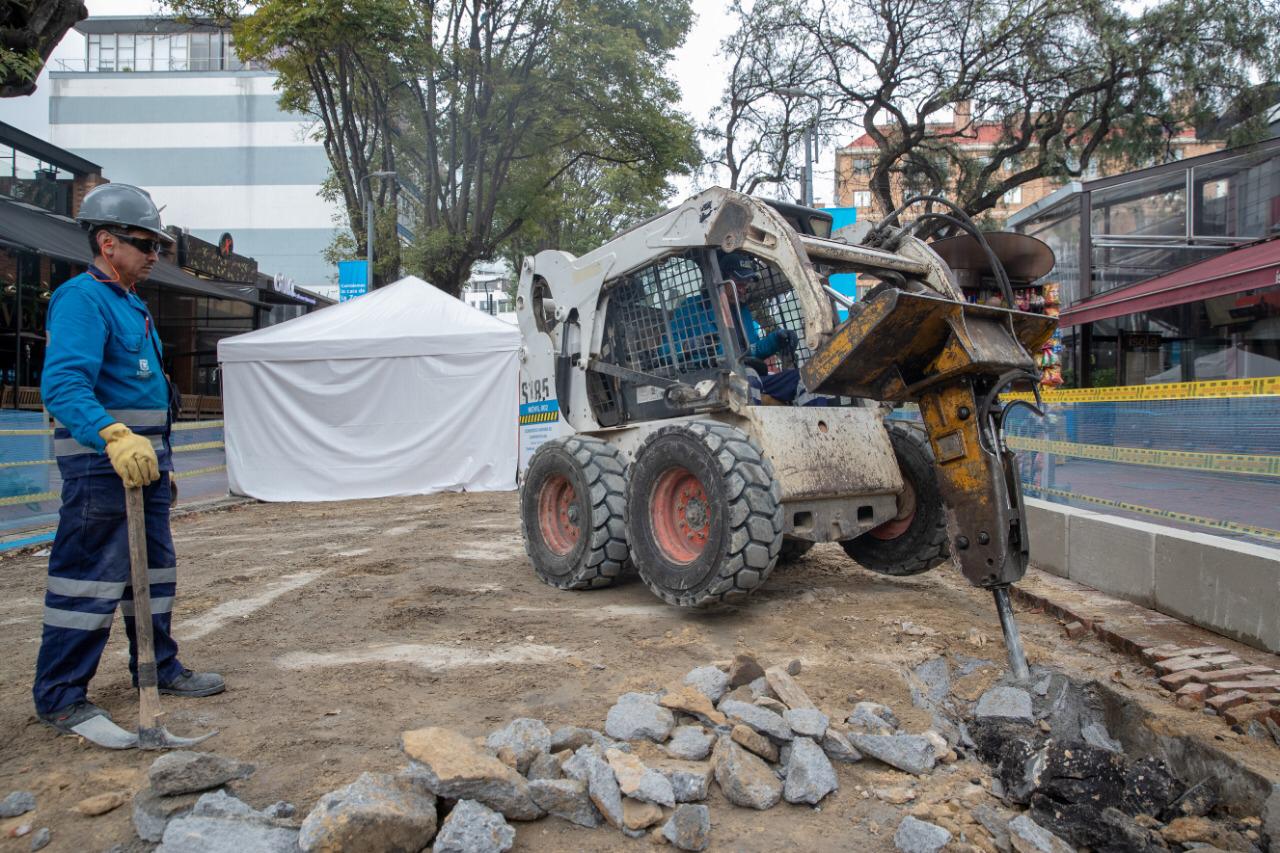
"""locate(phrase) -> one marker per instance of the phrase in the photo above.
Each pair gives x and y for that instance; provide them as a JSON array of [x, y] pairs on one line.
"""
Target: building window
[[861, 166], [862, 198], [1013, 196]]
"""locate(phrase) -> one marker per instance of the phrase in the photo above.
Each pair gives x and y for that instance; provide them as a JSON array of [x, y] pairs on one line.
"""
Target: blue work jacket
[[102, 365], [697, 335]]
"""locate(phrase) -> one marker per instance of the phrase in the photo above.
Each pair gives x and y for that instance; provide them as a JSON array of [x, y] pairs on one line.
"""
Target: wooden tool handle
[[149, 712]]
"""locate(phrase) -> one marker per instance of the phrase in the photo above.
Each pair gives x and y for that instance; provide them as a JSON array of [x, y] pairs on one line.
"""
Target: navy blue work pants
[[89, 576]]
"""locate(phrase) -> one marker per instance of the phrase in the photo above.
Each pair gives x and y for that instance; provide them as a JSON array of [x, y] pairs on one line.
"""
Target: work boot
[[194, 684], [66, 719]]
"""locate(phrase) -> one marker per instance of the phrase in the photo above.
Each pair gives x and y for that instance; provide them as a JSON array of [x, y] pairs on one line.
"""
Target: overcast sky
[[695, 66]]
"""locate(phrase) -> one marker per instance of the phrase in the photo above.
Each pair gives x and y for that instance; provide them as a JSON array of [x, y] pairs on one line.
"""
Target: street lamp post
[[368, 221], [810, 139]]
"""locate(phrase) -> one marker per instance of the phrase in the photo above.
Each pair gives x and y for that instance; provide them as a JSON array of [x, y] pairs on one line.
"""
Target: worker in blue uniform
[[694, 324], [105, 387]]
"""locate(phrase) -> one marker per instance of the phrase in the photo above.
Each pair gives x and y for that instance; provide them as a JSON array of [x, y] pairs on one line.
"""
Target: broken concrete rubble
[[810, 776], [377, 811], [910, 753], [638, 715], [711, 681], [185, 772], [453, 767], [639, 782], [1027, 836], [1009, 703], [473, 828], [744, 778], [917, 836], [764, 721], [691, 743], [567, 799], [690, 780], [526, 738], [807, 722], [873, 718], [689, 828]]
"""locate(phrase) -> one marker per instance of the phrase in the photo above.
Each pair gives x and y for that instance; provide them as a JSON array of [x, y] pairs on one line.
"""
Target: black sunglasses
[[145, 245]]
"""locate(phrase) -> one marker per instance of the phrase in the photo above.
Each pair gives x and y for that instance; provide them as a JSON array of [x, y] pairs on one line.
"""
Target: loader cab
[[676, 320]]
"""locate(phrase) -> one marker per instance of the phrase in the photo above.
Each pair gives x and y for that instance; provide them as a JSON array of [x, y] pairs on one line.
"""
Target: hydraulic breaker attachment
[[953, 359]]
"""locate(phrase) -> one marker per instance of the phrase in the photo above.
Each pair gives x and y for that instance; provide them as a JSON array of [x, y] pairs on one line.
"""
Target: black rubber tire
[[924, 544], [793, 550], [744, 510], [598, 474]]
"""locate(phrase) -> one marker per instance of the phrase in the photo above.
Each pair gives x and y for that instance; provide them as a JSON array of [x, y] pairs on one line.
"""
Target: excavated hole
[[1103, 777]]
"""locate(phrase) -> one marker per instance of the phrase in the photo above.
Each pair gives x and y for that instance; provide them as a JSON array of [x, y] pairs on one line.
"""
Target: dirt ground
[[338, 626]]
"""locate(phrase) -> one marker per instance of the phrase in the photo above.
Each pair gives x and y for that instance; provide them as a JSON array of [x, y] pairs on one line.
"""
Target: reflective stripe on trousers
[[89, 577]]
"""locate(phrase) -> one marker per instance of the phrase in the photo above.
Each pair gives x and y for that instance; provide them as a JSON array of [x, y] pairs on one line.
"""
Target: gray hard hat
[[123, 205]]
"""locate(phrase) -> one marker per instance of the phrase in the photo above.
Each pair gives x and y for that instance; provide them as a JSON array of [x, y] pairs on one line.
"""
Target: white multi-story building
[[489, 290], [170, 107]]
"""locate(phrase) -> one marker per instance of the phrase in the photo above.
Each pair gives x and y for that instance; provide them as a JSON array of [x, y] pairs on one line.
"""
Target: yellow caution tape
[[1263, 386], [540, 417], [203, 445], [212, 469], [1185, 460], [1186, 518]]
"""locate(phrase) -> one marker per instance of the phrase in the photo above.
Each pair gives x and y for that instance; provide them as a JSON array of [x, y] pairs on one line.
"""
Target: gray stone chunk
[[807, 722], [185, 772], [763, 720], [1027, 836], [910, 753], [930, 683], [281, 810], [710, 681], [17, 803], [454, 768], [221, 804], [690, 780], [41, 839], [837, 746], [638, 715], [691, 743], [193, 834], [689, 827], [588, 765], [377, 811], [152, 812], [744, 778], [571, 737], [760, 687], [873, 718], [473, 828], [1009, 703], [996, 824], [566, 798], [545, 766], [918, 836], [1096, 735], [810, 776], [525, 737]]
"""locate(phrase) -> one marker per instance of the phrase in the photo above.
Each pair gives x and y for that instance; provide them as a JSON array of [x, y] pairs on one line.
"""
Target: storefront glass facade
[[1130, 229]]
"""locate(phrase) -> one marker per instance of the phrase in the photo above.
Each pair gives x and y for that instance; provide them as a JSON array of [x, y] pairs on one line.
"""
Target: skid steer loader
[[680, 469]]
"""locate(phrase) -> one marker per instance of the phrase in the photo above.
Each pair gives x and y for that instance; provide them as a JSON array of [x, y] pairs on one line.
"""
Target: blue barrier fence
[[30, 485], [1206, 464]]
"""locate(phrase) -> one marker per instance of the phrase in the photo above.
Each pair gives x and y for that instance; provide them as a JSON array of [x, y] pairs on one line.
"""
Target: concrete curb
[[1232, 588]]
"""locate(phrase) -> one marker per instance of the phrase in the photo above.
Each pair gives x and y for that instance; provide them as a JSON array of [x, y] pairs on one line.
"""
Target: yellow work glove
[[131, 455]]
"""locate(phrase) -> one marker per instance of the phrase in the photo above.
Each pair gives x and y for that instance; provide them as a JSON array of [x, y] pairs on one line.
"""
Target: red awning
[[1248, 267]]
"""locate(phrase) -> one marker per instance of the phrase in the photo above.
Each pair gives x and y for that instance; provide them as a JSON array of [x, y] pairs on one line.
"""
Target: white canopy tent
[[402, 391]]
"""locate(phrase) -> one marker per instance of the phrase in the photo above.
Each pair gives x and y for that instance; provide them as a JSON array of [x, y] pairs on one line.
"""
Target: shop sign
[[204, 258]]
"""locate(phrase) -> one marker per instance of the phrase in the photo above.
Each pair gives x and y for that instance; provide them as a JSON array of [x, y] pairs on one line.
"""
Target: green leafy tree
[[1068, 84], [29, 31], [483, 109]]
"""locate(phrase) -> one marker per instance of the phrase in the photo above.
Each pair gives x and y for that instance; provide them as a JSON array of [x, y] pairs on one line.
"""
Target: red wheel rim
[[895, 527], [681, 516], [558, 515]]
